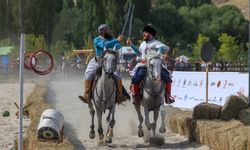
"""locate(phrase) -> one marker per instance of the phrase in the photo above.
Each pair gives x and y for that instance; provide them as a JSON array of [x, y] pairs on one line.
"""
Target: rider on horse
[[149, 44], [104, 40]]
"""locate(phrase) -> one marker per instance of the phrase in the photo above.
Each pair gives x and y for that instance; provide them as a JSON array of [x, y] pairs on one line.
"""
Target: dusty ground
[[64, 96], [9, 93]]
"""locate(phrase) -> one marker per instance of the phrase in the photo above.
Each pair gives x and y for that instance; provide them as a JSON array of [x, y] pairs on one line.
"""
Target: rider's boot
[[135, 89], [168, 98], [87, 91], [120, 97]]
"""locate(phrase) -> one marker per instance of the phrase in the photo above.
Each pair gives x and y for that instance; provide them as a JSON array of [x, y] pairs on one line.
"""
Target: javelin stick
[[130, 23], [126, 22]]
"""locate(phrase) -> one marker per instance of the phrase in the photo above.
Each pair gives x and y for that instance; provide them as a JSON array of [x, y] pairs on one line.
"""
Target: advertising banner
[[189, 88]]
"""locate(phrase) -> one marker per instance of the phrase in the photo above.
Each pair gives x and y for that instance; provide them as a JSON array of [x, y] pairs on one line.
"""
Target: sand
[[9, 93], [63, 95]]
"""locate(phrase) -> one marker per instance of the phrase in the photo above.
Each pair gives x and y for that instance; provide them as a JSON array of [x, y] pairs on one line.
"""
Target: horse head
[[154, 67], [109, 62]]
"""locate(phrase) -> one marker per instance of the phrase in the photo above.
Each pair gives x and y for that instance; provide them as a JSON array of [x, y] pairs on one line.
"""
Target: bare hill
[[241, 4]]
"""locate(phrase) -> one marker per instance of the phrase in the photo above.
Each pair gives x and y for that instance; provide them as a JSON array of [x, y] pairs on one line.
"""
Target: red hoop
[[27, 66], [33, 66]]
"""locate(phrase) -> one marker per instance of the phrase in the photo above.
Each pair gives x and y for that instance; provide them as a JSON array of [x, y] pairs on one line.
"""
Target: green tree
[[201, 39], [180, 3], [33, 42], [229, 50], [167, 21], [113, 12], [93, 16], [69, 26]]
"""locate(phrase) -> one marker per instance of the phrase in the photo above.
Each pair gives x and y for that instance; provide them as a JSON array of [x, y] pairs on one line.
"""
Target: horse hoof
[[92, 134], [162, 130], [109, 140], [140, 134], [101, 137]]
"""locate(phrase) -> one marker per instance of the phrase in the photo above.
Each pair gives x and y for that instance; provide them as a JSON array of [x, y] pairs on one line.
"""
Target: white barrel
[[50, 125]]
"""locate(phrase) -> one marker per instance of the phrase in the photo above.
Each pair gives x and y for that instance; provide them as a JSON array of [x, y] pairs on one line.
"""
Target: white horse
[[153, 96], [104, 96]]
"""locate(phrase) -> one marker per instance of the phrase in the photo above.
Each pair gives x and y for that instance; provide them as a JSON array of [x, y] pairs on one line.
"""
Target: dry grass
[[38, 105]]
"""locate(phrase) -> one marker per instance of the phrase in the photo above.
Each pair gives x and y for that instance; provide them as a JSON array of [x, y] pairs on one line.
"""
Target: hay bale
[[183, 120], [232, 107], [218, 136], [192, 126], [207, 111], [238, 138], [178, 120], [244, 116]]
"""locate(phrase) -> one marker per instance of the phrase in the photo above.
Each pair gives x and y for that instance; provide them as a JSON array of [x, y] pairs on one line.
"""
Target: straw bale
[[207, 111], [248, 137], [183, 119], [177, 120], [232, 107], [192, 130], [221, 128], [238, 138], [170, 120], [244, 116], [217, 134]]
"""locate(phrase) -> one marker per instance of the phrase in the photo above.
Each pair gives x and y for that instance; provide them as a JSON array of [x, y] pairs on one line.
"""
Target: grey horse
[[104, 95], [153, 96]]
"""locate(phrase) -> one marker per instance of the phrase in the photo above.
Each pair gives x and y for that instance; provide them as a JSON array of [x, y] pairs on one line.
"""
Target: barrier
[[189, 88]]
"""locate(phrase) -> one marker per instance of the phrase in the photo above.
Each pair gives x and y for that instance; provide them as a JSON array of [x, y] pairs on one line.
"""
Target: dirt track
[[64, 96]]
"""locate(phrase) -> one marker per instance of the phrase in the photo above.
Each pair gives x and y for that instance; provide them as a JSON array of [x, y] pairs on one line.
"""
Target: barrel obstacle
[[51, 125]]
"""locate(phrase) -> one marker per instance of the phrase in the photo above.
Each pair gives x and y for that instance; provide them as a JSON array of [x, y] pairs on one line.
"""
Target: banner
[[189, 88]]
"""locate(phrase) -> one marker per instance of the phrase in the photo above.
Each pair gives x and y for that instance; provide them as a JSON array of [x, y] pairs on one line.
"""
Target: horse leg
[[153, 125], [108, 117], [110, 133], [140, 118], [99, 119], [163, 114], [147, 123], [92, 126]]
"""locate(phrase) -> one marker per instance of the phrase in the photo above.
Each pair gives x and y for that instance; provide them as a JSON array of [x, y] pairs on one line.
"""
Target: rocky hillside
[[241, 4]]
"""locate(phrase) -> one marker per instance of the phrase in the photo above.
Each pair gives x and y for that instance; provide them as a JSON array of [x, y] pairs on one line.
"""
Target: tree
[[229, 50], [167, 21], [93, 16], [201, 39], [180, 3], [113, 12]]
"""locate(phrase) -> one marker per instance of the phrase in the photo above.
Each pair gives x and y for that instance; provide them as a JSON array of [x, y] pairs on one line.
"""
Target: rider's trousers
[[141, 72], [91, 70]]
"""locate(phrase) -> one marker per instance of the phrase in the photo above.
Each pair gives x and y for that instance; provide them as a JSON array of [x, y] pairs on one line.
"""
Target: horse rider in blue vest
[[104, 40], [149, 44]]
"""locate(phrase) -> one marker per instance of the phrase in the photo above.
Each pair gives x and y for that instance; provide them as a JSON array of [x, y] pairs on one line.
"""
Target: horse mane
[[151, 55], [109, 52]]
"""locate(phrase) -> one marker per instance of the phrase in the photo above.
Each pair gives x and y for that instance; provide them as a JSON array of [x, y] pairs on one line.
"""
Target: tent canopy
[[5, 50]]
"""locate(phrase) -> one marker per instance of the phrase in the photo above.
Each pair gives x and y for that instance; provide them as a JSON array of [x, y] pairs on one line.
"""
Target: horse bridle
[[149, 73], [103, 66]]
